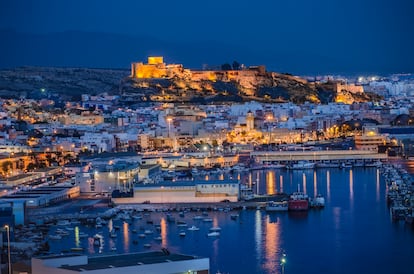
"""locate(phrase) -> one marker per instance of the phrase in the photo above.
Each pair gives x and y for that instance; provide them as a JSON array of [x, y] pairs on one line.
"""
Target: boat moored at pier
[[298, 201], [277, 206]]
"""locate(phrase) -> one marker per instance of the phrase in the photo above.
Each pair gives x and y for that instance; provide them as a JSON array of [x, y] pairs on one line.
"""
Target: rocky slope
[[70, 83]]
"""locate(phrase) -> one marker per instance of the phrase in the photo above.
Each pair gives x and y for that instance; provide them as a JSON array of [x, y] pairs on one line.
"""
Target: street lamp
[[283, 262], [8, 246]]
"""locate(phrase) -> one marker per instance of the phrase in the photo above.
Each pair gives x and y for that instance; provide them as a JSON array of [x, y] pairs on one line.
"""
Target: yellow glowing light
[[154, 60]]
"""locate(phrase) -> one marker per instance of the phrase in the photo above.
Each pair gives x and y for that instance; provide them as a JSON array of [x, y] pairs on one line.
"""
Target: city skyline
[[296, 37]]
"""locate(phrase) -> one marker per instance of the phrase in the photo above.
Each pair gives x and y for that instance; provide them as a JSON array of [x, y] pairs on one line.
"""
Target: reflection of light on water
[[337, 216], [91, 246], [163, 226], [126, 236], [258, 234], [304, 183], [281, 183], [378, 185], [315, 187], [272, 245], [206, 178], [221, 177], [351, 186], [77, 239], [215, 243], [110, 225], [270, 182], [328, 184], [238, 176]]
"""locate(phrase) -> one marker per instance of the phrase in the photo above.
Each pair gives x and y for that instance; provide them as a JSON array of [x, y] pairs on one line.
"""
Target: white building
[[185, 192], [156, 262]]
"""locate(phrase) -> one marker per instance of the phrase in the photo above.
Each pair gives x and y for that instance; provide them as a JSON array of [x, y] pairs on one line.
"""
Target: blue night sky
[[297, 36]]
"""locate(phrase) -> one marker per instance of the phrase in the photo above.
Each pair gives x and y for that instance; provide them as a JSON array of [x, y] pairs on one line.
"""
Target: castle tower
[[250, 120]]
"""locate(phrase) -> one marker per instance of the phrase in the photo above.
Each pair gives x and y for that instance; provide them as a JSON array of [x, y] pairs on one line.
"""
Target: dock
[[317, 156]]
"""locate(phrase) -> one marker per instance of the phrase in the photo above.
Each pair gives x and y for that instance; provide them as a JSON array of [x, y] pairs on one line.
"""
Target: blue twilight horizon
[[297, 36]]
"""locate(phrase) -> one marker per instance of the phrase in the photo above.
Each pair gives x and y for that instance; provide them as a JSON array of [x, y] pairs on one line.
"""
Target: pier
[[351, 156]]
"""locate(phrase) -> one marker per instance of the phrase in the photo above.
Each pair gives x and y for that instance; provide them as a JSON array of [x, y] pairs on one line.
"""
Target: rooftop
[[124, 260]]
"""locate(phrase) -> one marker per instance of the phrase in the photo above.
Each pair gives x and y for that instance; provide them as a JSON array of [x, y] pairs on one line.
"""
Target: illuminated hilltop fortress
[[252, 81], [156, 68]]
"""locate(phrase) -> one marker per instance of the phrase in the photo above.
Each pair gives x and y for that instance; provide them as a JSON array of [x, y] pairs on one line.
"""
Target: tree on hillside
[[226, 67]]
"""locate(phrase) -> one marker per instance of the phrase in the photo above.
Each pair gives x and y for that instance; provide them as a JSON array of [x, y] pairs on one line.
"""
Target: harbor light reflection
[[270, 182], [328, 184], [258, 234], [126, 236], [281, 184], [272, 245]]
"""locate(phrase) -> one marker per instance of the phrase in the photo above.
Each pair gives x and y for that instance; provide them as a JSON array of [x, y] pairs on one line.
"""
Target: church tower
[[250, 120]]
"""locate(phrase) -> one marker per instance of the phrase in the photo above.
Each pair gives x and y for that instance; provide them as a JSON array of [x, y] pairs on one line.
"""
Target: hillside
[[70, 83]]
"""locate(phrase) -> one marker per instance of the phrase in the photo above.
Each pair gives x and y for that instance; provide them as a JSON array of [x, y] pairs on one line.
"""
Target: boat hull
[[298, 205], [277, 206]]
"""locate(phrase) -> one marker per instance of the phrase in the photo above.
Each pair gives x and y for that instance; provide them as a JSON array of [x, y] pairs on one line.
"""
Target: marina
[[354, 200]]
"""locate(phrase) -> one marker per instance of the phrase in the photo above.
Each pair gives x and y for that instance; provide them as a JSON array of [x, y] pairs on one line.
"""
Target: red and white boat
[[298, 201]]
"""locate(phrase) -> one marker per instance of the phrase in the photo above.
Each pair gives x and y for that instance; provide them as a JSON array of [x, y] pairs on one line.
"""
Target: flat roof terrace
[[124, 260]]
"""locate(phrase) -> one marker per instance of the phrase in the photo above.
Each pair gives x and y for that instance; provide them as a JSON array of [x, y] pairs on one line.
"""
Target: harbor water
[[352, 234]]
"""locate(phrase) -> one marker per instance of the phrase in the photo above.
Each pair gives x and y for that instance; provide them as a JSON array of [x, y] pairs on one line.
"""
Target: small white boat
[[277, 206], [182, 233], [198, 217], [215, 229], [193, 228], [207, 220], [55, 237], [318, 201], [148, 231], [181, 223], [147, 245], [213, 234], [63, 223]]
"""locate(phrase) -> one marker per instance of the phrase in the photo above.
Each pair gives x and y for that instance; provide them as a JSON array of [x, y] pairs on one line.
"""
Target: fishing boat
[[298, 201], [318, 201], [277, 206], [182, 233]]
